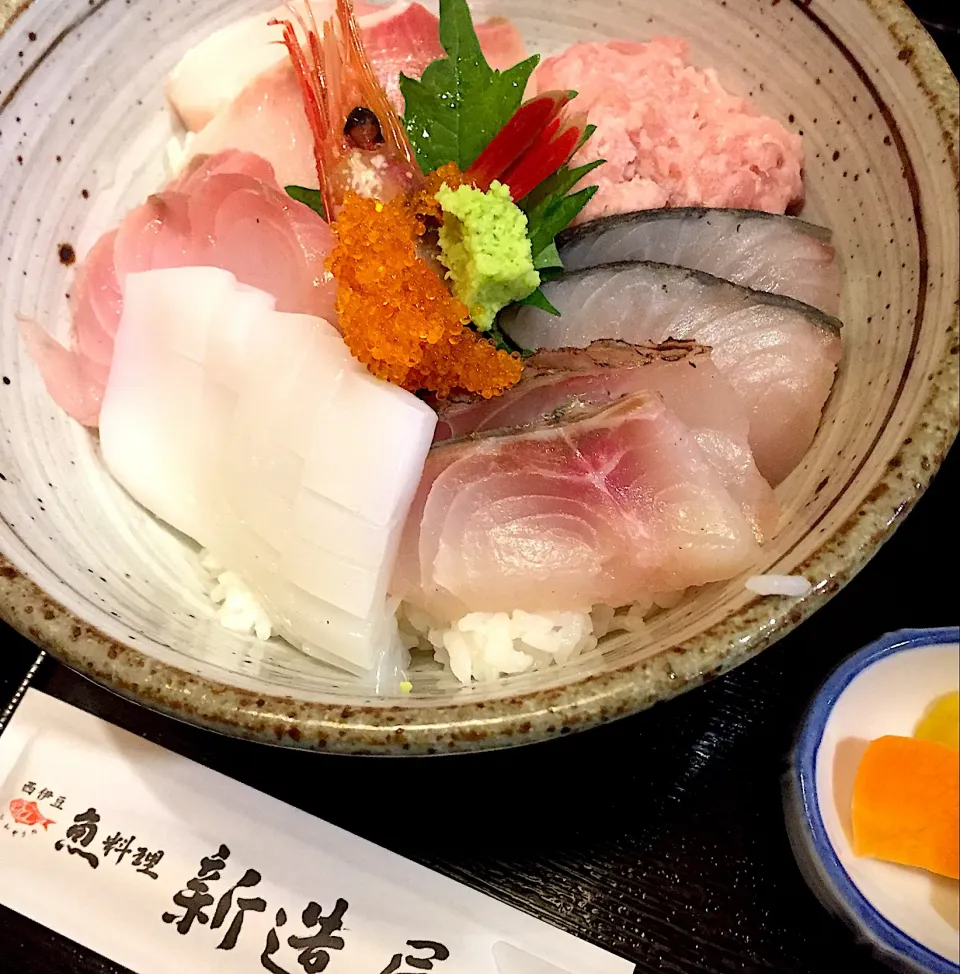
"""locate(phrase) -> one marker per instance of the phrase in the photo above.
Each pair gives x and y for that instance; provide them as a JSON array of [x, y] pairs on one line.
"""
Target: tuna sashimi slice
[[779, 355], [603, 506], [561, 382], [225, 211], [768, 252], [257, 433]]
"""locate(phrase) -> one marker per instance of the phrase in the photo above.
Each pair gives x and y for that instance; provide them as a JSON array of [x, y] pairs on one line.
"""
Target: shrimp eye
[[362, 128]]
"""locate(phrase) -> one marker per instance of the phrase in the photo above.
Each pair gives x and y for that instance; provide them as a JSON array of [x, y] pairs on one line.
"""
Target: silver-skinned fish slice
[[765, 251], [560, 382], [605, 505], [779, 355]]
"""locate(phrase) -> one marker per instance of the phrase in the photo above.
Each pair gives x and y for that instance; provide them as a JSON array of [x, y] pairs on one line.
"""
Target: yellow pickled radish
[[941, 721]]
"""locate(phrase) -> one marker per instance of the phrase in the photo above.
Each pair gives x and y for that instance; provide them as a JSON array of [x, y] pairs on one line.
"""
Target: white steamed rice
[[238, 609], [487, 645], [479, 646]]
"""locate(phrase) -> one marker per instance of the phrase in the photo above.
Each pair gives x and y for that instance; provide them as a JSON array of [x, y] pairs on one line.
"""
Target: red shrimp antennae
[[313, 87]]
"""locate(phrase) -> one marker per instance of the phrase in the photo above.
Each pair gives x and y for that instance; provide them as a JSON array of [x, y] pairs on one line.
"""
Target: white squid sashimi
[[256, 433]]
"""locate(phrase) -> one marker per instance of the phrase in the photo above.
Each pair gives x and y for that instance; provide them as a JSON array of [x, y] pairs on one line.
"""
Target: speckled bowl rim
[[586, 701]]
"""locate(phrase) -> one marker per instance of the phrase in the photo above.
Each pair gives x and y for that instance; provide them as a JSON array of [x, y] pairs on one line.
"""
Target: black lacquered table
[[660, 837]]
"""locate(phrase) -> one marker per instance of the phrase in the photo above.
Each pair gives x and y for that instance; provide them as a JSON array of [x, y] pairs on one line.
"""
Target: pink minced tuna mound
[[671, 135]]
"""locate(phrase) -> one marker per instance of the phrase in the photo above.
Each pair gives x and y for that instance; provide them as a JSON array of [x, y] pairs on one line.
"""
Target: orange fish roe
[[425, 201], [396, 314]]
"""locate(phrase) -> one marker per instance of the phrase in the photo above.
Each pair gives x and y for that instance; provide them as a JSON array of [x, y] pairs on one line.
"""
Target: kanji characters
[[196, 897], [81, 834], [255, 903], [146, 861], [314, 949]]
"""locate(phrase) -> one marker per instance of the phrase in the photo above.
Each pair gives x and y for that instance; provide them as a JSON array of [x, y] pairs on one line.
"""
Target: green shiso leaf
[[539, 300], [500, 339], [460, 103], [547, 259], [553, 210], [309, 197]]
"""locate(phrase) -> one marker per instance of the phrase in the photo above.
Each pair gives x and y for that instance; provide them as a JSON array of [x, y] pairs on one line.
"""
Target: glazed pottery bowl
[[88, 575], [909, 917]]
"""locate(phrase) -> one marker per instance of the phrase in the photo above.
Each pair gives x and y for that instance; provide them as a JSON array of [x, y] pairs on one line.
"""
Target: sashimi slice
[[256, 433], [266, 117], [779, 355], [405, 37], [562, 382], [224, 211], [75, 382], [398, 37], [768, 252], [603, 507], [212, 73]]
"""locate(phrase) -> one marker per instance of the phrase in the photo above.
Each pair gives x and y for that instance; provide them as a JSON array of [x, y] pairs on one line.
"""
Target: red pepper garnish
[[553, 147], [522, 131]]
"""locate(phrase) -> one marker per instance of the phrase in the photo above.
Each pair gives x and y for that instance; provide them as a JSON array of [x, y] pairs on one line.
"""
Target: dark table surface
[[659, 837]]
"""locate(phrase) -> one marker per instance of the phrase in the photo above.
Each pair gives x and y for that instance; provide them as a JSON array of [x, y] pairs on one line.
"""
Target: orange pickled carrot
[[906, 804]]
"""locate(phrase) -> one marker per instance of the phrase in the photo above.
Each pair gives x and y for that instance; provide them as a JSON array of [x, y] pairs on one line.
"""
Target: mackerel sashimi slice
[[602, 506], [766, 251], [562, 382], [779, 355]]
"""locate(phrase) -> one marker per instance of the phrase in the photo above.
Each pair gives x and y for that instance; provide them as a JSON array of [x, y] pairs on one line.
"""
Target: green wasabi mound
[[486, 250]]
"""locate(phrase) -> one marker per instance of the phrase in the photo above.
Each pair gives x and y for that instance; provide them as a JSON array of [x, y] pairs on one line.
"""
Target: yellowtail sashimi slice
[[605, 505], [256, 433], [564, 381], [779, 355]]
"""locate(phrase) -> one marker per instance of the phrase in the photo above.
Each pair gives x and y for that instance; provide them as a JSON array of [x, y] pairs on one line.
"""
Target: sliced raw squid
[[603, 505], [256, 433], [779, 355], [780, 254], [562, 382]]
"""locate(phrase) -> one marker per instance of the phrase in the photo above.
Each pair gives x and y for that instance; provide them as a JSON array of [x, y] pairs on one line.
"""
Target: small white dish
[[909, 917]]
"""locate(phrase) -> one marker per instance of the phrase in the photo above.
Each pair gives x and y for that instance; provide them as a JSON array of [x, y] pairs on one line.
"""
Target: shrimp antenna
[[311, 32], [313, 88]]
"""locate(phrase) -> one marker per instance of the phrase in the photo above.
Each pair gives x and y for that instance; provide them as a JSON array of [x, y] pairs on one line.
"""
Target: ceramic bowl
[[89, 576], [909, 917]]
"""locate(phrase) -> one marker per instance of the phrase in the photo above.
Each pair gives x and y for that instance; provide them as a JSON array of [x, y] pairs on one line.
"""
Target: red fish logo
[[27, 813]]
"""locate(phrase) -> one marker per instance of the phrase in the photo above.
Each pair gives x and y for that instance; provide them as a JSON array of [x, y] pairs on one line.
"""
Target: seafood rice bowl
[[428, 352]]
